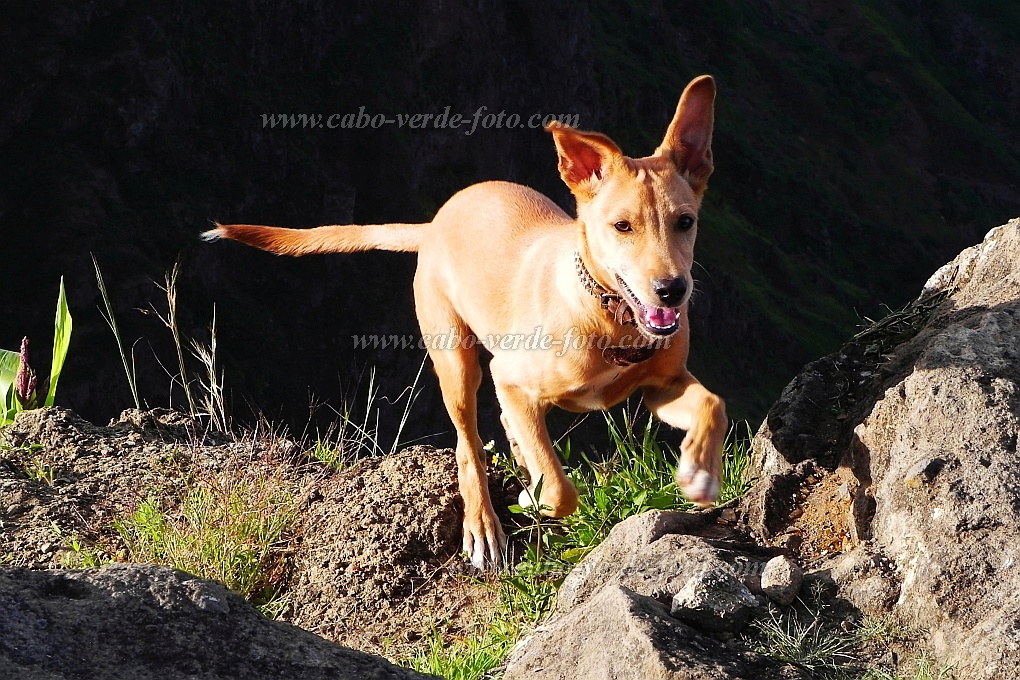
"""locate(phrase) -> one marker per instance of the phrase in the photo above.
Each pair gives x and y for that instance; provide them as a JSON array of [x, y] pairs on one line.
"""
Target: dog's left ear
[[586, 158], [688, 140]]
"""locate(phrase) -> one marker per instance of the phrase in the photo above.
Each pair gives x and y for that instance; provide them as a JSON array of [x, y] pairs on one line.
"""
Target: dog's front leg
[[524, 421], [686, 404]]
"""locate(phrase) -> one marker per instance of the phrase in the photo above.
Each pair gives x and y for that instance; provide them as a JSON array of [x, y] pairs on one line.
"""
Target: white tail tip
[[211, 235]]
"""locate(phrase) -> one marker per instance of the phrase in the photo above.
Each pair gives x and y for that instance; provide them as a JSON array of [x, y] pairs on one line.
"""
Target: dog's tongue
[[660, 317]]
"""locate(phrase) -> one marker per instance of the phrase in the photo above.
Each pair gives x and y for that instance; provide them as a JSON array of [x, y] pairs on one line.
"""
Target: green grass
[[924, 668], [810, 637], [808, 643], [78, 554], [38, 470], [232, 530], [636, 476]]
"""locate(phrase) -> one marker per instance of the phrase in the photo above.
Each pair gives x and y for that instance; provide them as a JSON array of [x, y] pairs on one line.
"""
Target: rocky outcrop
[[141, 622], [659, 598], [921, 436]]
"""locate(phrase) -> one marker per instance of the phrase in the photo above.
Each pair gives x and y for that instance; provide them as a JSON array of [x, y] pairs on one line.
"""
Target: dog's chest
[[600, 388]]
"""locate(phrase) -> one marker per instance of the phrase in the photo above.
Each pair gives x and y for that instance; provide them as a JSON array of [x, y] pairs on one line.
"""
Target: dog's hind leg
[[459, 377]]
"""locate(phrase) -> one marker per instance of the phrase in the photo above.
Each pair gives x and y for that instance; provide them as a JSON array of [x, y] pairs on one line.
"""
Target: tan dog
[[602, 298]]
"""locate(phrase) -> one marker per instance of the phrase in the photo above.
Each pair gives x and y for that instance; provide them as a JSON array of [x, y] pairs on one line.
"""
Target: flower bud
[[24, 381]]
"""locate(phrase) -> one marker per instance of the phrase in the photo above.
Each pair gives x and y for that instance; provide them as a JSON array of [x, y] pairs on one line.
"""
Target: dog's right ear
[[586, 158]]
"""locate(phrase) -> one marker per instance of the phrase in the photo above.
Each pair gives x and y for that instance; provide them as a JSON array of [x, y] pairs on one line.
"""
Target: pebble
[[714, 600], [781, 580]]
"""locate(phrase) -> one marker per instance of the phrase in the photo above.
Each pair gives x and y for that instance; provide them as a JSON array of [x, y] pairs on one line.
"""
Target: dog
[[606, 295]]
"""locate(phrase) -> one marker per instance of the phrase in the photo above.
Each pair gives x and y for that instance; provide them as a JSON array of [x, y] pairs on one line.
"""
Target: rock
[[631, 555], [930, 441], [714, 600], [621, 634], [146, 622], [612, 617], [781, 580]]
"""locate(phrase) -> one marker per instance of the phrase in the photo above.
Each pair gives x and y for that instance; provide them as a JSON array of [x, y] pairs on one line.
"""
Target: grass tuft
[[229, 528], [806, 642]]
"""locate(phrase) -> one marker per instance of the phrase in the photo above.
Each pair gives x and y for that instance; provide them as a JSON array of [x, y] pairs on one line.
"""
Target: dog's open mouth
[[659, 321]]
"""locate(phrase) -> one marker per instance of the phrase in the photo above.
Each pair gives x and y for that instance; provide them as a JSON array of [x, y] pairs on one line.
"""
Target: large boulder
[[894, 463], [145, 622]]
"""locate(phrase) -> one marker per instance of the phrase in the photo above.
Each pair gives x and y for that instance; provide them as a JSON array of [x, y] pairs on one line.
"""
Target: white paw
[[700, 486]]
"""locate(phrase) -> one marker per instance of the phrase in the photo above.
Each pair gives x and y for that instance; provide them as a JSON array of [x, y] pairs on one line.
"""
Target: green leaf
[[61, 340], [9, 364], [574, 555]]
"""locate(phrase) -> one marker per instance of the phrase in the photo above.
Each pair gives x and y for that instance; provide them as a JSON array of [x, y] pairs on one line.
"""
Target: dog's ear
[[688, 140], [586, 158]]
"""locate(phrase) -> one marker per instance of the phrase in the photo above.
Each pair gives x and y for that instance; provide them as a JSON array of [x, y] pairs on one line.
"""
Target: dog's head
[[640, 216]]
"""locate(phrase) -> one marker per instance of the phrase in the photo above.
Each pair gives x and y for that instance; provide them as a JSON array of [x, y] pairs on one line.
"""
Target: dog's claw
[[477, 553], [485, 549]]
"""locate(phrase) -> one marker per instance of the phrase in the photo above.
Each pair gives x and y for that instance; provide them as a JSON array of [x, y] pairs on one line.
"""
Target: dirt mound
[[62, 478], [381, 547], [372, 556]]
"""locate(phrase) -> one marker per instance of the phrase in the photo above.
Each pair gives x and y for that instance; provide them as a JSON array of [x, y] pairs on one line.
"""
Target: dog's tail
[[337, 238]]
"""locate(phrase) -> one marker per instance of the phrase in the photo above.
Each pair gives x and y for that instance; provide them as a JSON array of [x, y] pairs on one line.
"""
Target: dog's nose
[[670, 291]]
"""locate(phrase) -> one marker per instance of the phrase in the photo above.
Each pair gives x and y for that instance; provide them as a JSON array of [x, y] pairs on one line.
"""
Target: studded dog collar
[[621, 312]]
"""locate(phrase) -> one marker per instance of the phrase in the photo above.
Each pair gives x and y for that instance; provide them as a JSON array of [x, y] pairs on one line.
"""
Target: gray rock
[[931, 438], [647, 553], [781, 580], [612, 616], [618, 634], [145, 622], [714, 600]]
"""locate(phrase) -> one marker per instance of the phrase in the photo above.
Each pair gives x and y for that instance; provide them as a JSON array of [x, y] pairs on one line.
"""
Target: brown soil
[[821, 522], [374, 557], [380, 565]]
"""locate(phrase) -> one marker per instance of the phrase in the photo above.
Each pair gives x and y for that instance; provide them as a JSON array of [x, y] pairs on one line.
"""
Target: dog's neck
[[619, 311]]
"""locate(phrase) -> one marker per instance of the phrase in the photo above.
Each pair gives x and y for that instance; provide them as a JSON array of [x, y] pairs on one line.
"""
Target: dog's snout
[[670, 291]]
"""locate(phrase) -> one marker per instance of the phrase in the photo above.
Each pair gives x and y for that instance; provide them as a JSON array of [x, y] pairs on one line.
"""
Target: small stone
[[797, 513], [211, 603], [781, 580], [728, 515], [714, 600]]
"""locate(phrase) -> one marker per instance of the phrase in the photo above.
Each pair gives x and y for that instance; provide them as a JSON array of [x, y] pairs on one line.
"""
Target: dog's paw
[[699, 486], [558, 502], [485, 544]]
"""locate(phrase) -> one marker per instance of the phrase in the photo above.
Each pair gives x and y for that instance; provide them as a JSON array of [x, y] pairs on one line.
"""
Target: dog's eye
[[685, 222], [623, 226]]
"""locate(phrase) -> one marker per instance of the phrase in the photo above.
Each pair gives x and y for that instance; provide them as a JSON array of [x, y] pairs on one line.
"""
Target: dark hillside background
[[859, 145]]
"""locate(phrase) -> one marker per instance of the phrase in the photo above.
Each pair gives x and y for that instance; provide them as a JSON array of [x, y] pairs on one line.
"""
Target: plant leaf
[[61, 340], [9, 364]]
